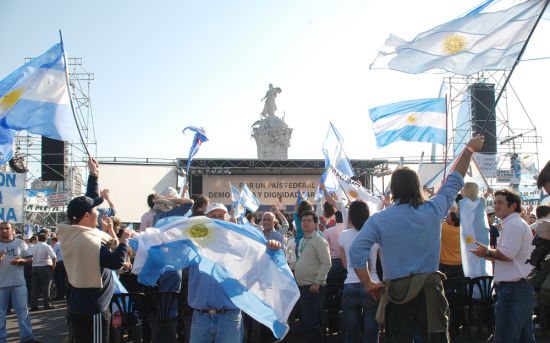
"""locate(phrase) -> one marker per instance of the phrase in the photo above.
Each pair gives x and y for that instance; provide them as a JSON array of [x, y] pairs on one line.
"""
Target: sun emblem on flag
[[201, 231], [453, 44], [9, 100], [411, 119], [353, 194], [469, 239]]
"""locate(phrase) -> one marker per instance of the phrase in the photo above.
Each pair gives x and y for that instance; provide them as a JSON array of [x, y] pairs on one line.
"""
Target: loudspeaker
[[53, 159], [482, 96], [196, 184]]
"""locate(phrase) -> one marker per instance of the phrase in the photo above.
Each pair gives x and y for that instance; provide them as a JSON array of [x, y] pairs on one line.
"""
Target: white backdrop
[[129, 186]]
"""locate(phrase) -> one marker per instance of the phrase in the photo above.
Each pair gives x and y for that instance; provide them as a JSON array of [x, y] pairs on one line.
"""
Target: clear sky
[[162, 65]]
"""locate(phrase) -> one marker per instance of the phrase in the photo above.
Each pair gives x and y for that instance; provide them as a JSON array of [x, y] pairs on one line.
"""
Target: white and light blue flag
[[6, 144], [35, 97], [354, 190], [335, 157], [333, 151], [255, 278], [479, 40], [473, 227], [248, 200], [235, 195], [422, 120]]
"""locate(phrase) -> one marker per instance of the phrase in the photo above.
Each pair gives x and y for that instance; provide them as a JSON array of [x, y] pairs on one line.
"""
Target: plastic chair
[[129, 308], [480, 290], [456, 292], [164, 312]]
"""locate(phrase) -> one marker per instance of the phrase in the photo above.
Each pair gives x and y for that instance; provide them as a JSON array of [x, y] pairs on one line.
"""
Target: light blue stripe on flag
[[35, 98], [420, 120], [406, 107], [255, 278]]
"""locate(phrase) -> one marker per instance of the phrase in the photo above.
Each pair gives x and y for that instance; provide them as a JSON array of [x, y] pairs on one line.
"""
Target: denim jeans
[[359, 306], [311, 310], [217, 328], [514, 311], [18, 295]]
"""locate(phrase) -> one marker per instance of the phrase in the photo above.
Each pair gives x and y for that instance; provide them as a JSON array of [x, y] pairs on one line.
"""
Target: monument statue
[[271, 133], [269, 105]]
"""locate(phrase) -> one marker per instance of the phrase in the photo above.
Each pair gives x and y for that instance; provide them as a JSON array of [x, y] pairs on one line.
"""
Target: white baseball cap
[[215, 206]]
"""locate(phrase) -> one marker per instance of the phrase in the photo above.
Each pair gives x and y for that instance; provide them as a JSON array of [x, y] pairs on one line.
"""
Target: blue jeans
[[359, 306], [18, 295], [217, 328], [514, 312]]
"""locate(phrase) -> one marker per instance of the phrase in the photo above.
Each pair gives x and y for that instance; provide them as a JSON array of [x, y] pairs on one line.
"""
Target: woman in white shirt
[[357, 304]]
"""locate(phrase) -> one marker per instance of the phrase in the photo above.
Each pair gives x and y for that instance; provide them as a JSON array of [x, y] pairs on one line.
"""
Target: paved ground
[[50, 327]]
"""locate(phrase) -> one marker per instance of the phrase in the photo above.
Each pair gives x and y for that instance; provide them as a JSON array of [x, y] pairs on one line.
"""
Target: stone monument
[[271, 133]]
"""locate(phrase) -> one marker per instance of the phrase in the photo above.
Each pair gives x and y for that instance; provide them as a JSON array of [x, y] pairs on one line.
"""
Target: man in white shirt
[[43, 264], [515, 300]]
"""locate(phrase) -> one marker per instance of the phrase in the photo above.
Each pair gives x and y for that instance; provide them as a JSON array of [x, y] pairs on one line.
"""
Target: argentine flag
[[480, 40], [422, 120], [35, 97], [473, 227], [255, 278]]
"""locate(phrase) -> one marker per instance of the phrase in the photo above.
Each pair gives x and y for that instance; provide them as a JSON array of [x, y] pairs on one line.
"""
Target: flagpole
[[514, 67], [446, 138], [70, 95]]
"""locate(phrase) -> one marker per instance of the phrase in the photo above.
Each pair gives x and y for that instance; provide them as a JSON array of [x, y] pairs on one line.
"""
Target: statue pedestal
[[272, 137]]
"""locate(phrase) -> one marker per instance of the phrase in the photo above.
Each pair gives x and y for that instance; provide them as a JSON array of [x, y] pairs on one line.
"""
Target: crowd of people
[[379, 272]]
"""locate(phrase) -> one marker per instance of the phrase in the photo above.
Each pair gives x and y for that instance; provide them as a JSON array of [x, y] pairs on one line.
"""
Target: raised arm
[[92, 187], [328, 197], [282, 220], [474, 145]]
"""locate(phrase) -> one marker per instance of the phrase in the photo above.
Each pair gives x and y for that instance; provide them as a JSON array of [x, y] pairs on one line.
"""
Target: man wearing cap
[[88, 262], [215, 317]]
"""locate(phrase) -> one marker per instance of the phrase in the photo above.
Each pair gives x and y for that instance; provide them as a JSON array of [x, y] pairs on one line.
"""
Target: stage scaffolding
[[515, 131], [28, 154]]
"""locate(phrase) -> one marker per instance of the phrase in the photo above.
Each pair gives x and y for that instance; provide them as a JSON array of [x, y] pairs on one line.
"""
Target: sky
[[161, 66]]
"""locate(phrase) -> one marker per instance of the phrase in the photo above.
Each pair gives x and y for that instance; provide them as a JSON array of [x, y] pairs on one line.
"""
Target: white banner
[[267, 188], [58, 199], [12, 189], [487, 164], [529, 192]]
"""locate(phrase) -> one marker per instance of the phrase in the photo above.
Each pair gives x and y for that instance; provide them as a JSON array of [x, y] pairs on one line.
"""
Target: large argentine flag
[[479, 40], [256, 279], [420, 120], [35, 97]]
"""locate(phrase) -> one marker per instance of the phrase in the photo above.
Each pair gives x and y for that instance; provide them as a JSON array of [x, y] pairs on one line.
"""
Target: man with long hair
[[409, 234]]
